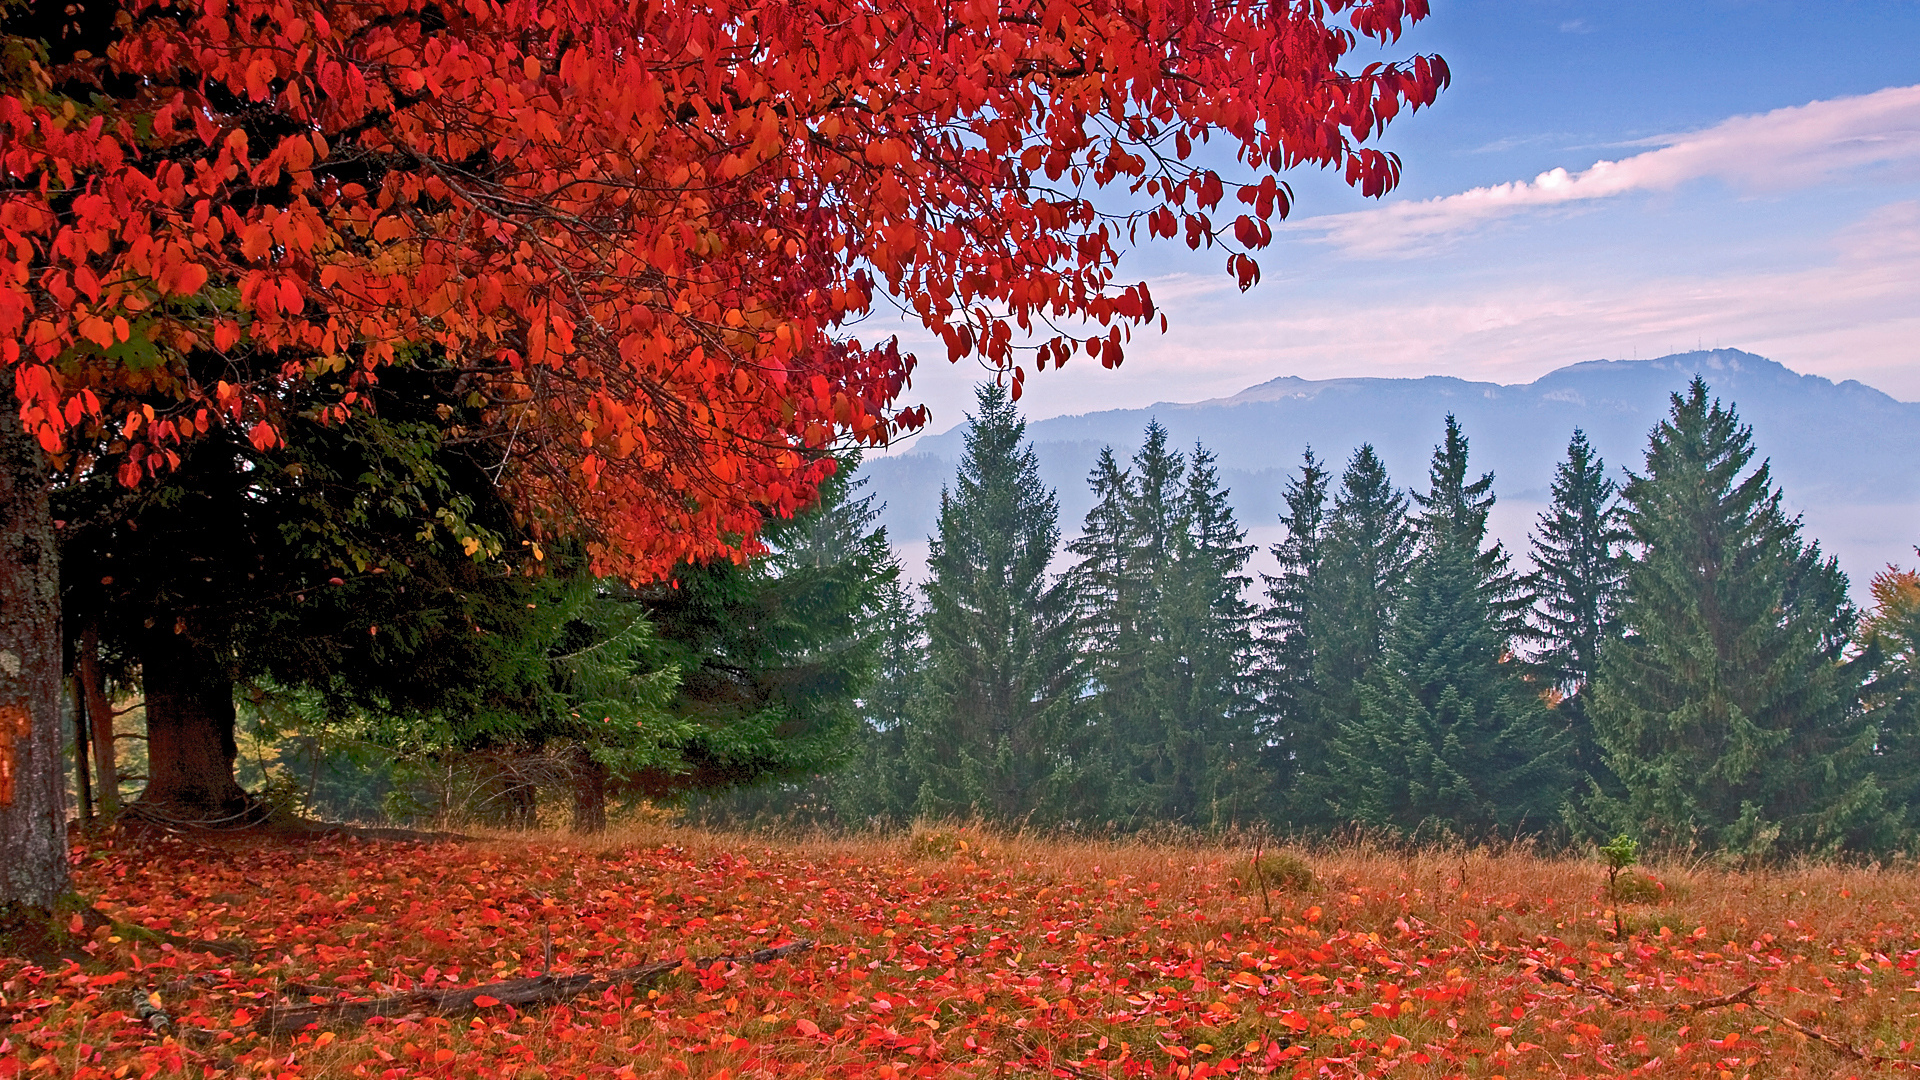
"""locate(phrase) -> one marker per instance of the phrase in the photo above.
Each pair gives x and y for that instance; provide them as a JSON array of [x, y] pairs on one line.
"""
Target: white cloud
[[1853, 314], [1784, 149]]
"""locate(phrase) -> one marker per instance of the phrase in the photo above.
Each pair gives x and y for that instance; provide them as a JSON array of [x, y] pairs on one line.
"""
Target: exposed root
[[260, 819]]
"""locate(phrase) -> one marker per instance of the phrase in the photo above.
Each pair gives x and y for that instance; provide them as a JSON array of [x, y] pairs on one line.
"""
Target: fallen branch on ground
[[1743, 996], [520, 993]]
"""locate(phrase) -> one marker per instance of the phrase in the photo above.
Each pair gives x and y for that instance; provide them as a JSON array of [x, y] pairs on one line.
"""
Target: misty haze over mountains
[[1846, 455]]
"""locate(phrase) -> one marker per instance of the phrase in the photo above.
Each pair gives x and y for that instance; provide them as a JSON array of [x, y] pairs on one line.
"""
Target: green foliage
[[948, 840], [772, 656], [1168, 638], [1363, 561], [337, 562], [1281, 872], [1288, 632], [1728, 707], [1450, 735], [369, 594], [1620, 852], [1577, 555], [1889, 642], [998, 737]]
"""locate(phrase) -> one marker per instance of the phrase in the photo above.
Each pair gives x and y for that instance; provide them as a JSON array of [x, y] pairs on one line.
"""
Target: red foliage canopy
[[638, 228]]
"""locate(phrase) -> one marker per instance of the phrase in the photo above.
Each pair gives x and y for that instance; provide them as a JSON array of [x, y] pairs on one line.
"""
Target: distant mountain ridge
[[1847, 455]]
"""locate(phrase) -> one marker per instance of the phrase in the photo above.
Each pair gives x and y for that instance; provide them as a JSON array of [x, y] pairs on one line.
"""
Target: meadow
[[954, 952]]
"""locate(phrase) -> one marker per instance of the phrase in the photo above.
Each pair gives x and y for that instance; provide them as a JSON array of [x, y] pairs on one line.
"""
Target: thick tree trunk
[[33, 773], [589, 794], [93, 687], [190, 747]]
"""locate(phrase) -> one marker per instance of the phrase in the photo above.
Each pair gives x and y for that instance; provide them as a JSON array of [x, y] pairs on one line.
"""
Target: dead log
[[525, 993]]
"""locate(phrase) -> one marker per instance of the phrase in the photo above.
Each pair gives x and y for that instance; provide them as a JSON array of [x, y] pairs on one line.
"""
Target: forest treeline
[[1679, 663], [1671, 658]]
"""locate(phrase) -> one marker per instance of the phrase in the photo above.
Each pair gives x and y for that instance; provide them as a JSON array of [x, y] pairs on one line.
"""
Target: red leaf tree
[[638, 230]]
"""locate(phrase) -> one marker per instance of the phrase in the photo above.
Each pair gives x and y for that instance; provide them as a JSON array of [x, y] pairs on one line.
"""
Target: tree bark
[[190, 747], [83, 786], [33, 773], [93, 687], [523, 809], [589, 794]]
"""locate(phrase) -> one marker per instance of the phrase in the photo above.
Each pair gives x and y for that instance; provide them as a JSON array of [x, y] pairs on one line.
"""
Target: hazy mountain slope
[[1846, 454]]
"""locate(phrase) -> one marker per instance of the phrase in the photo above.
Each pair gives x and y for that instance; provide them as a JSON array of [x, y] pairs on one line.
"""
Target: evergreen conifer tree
[[1135, 679], [1166, 635], [997, 732], [774, 654], [1578, 569], [1205, 760], [1890, 645], [1727, 708], [1450, 733], [1368, 543], [879, 786], [1108, 599], [1287, 627]]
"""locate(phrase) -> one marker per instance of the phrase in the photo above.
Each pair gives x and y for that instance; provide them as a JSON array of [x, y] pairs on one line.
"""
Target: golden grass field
[[951, 951]]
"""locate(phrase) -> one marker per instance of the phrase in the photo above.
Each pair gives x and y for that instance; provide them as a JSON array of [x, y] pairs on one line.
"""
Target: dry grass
[[957, 951]]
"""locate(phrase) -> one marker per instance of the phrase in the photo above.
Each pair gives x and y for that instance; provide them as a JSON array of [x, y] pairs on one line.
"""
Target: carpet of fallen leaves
[[967, 955]]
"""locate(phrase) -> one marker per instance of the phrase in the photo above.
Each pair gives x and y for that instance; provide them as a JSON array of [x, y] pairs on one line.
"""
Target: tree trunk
[[589, 794], [190, 747], [93, 687], [33, 773], [523, 808], [83, 786]]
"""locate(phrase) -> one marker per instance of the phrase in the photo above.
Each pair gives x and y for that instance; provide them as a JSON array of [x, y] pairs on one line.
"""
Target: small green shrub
[[1623, 852], [1637, 889], [1279, 872]]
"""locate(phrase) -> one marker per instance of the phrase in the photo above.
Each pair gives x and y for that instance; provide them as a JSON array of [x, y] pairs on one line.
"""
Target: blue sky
[[1739, 174]]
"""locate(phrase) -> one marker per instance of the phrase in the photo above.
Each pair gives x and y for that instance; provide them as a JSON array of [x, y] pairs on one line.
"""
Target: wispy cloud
[[1853, 314], [1785, 149]]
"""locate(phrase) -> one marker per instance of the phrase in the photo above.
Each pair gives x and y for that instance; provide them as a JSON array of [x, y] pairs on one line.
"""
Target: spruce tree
[[1890, 646], [1137, 678], [1578, 569], [879, 786], [996, 734], [1107, 597], [1287, 623], [1167, 638], [1368, 544], [1450, 732], [1125, 550], [1727, 707], [1205, 761]]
